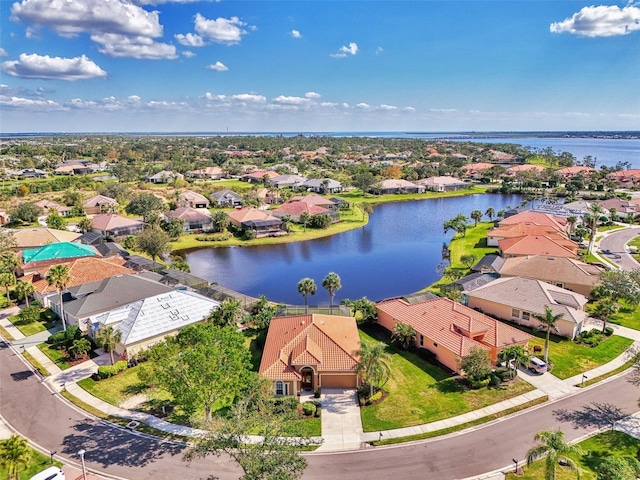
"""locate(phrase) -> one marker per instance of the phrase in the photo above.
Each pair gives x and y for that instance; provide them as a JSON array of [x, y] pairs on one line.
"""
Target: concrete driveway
[[341, 423]]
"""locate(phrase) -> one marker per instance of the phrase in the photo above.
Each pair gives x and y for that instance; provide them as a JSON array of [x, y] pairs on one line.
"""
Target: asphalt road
[[614, 244], [37, 414]]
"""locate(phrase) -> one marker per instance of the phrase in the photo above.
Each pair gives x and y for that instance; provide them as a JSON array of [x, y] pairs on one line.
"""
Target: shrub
[[608, 331], [308, 409], [477, 384], [375, 397], [107, 371], [285, 404], [592, 338], [56, 338], [317, 393], [495, 379]]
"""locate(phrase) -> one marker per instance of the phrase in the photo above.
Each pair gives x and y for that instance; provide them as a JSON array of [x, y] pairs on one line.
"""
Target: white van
[[536, 365], [51, 473]]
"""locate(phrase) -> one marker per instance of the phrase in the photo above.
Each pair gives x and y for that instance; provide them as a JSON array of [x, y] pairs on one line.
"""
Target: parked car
[[51, 473], [536, 365]]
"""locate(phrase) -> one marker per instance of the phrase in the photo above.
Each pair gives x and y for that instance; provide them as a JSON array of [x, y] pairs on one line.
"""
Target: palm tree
[[229, 312], [24, 290], [490, 213], [548, 321], [476, 216], [555, 447], [7, 279], [572, 220], [595, 212], [59, 277], [304, 219], [404, 334], [108, 338], [307, 286], [374, 364], [9, 262], [14, 453], [331, 283], [514, 357], [604, 310]]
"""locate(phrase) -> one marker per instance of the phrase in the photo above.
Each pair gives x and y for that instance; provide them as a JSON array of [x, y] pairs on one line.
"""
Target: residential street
[[615, 243], [29, 407]]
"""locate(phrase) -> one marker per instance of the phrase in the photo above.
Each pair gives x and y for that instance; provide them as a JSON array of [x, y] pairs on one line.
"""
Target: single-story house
[[192, 220], [517, 299], [114, 225], [49, 207], [81, 270], [39, 236], [476, 170], [397, 185], [308, 352], [88, 299], [503, 157], [470, 282], [287, 181], [259, 176], [442, 184], [525, 168], [322, 185], [449, 329], [164, 176], [209, 173], [226, 198], [31, 173], [100, 204], [489, 264], [192, 200], [521, 229], [34, 259], [622, 207], [537, 245], [261, 222], [563, 272], [625, 178], [536, 218], [317, 200], [295, 209], [147, 321], [569, 172]]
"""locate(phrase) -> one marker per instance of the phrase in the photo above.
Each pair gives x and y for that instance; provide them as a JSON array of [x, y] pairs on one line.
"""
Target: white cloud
[[387, 108], [290, 100], [249, 97], [22, 103], [363, 106], [220, 30], [53, 68], [146, 48], [3, 52], [160, 2], [408, 109], [296, 34], [379, 50], [218, 67], [312, 95], [70, 18], [189, 40], [188, 54], [211, 96], [600, 21], [351, 49]]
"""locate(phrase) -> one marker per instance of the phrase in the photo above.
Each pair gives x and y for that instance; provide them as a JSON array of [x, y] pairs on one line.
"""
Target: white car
[[51, 473]]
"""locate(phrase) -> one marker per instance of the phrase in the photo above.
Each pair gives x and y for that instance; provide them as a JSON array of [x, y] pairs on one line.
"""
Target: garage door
[[338, 381]]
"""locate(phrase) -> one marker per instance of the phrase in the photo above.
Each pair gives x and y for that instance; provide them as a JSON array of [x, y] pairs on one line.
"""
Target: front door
[[307, 379]]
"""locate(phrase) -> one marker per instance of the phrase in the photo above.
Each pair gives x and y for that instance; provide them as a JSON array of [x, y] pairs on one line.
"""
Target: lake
[[397, 253]]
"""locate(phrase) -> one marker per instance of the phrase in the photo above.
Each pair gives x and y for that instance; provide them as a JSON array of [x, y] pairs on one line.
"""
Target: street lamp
[[516, 462], [380, 437], [583, 378], [84, 472]]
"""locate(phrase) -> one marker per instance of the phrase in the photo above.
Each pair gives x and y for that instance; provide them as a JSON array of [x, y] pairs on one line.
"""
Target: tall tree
[[374, 366], [229, 313], [468, 260], [404, 334], [144, 204], [56, 221], [14, 453], [304, 219], [9, 262], [6, 280], [490, 213], [331, 283], [204, 366], [306, 287], [59, 277], [363, 181], [24, 290], [476, 216], [548, 321], [84, 225], [514, 356], [604, 310], [153, 242], [365, 208], [457, 224], [595, 212], [108, 337], [554, 446], [476, 365]]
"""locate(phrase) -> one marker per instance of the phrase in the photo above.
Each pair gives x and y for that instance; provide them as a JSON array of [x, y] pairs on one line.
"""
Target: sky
[[318, 66]]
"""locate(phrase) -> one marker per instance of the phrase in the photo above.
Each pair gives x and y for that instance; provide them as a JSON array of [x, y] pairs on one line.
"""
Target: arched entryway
[[306, 383]]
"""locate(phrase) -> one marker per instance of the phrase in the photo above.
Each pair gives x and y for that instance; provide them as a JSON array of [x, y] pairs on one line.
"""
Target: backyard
[[420, 392], [595, 449]]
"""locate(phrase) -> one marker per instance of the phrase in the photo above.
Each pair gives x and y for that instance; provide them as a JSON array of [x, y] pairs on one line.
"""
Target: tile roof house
[[114, 225], [622, 207], [393, 185], [517, 299], [315, 199], [537, 245], [81, 270], [49, 207], [39, 236], [442, 184], [99, 204], [192, 200], [322, 185], [164, 176], [475, 170], [625, 178], [261, 222], [287, 181], [569, 172], [258, 176], [149, 320], [210, 173], [295, 209], [521, 229], [192, 220], [536, 218], [34, 259], [83, 301], [226, 198], [307, 352], [564, 272], [449, 329]]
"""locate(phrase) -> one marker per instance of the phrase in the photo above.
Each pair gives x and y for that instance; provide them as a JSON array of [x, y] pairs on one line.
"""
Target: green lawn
[[627, 317], [56, 356], [595, 449], [570, 358], [38, 463], [420, 392], [46, 322]]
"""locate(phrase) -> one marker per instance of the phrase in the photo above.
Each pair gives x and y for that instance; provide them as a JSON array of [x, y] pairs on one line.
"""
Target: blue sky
[[304, 66]]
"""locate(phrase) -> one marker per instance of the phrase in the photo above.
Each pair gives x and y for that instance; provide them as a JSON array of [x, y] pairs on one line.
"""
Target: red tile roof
[[297, 208], [327, 342], [522, 229], [538, 245], [535, 218], [109, 221], [451, 324]]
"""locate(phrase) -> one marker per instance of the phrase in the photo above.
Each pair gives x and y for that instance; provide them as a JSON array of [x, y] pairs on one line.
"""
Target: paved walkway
[[341, 422]]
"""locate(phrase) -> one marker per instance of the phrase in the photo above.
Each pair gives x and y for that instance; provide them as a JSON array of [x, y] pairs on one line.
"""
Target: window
[[279, 388], [526, 316], [515, 313], [422, 340]]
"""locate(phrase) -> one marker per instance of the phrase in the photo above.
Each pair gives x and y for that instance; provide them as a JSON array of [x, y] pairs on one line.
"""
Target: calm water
[[397, 253]]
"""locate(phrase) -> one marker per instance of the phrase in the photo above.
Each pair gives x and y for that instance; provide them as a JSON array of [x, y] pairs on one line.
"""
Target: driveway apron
[[341, 423]]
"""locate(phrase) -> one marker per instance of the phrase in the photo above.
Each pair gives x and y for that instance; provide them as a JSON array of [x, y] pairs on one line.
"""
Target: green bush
[[495, 379], [477, 384], [285, 404], [308, 408], [56, 338], [317, 393], [107, 371], [592, 338], [608, 331], [375, 397]]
